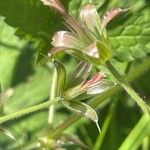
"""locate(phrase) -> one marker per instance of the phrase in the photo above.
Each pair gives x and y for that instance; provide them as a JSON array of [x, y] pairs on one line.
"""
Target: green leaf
[[61, 79], [104, 52], [136, 136], [129, 36], [29, 92], [10, 48], [31, 18], [84, 109], [33, 91]]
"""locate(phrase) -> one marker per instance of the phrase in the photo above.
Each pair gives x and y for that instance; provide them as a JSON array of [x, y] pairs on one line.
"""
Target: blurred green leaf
[[10, 48], [136, 136], [30, 92], [7, 133], [27, 94]]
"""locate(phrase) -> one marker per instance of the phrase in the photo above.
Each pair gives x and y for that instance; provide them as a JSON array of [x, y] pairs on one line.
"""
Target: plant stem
[[128, 88], [28, 110], [52, 96]]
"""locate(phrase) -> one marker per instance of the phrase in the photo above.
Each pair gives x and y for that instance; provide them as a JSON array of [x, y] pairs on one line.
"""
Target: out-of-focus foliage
[[26, 29]]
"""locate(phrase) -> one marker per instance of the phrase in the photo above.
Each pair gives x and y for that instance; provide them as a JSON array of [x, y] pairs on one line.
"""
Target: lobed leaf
[[130, 38]]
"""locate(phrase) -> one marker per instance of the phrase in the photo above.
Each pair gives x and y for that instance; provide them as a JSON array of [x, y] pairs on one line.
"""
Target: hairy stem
[[128, 88], [28, 110], [52, 96]]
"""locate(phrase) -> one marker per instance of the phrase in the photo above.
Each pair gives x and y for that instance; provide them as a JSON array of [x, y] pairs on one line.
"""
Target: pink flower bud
[[110, 15], [56, 4], [95, 80]]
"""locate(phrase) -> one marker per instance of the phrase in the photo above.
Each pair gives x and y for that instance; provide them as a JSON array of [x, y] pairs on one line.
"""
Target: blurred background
[[26, 29]]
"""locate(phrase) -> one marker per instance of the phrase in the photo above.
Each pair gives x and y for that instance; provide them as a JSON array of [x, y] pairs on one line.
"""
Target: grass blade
[[139, 132]]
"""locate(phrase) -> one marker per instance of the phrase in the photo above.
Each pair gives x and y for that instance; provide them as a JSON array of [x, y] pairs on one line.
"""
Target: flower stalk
[[52, 96], [29, 110]]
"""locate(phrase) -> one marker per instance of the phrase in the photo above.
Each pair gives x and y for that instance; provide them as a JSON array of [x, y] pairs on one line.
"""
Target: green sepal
[[61, 77], [79, 75], [73, 92], [104, 52], [83, 109]]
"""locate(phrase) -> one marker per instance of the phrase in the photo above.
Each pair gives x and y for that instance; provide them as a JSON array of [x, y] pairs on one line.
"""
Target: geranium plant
[[89, 52]]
